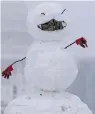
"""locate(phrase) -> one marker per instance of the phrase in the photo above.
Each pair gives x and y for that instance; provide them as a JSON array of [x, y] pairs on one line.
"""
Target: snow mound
[[47, 104]]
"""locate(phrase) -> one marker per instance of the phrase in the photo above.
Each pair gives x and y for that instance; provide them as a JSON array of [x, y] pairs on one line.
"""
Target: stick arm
[[8, 71]]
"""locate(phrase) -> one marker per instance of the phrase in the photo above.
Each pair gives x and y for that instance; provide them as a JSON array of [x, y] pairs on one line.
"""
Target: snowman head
[[46, 22]]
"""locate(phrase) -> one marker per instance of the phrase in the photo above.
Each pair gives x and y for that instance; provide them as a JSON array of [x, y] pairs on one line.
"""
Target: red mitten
[[7, 72], [82, 42]]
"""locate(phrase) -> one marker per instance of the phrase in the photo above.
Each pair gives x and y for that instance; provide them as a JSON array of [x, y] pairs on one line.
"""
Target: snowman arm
[[18, 60], [69, 45], [80, 41], [7, 72]]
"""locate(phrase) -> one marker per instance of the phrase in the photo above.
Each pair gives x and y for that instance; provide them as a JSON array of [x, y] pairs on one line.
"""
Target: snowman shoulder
[[33, 47]]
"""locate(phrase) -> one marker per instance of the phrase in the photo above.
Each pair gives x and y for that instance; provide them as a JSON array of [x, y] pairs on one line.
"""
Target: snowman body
[[47, 103], [49, 69]]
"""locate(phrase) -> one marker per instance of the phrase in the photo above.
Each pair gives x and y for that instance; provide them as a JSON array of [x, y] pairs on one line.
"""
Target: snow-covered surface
[[47, 103], [35, 18], [16, 40], [49, 67], [83, 86]]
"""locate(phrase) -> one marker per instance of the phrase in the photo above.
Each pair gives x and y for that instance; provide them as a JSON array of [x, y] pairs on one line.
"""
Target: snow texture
[[35, 18], [47, 103], [49, 67], [82, 109]]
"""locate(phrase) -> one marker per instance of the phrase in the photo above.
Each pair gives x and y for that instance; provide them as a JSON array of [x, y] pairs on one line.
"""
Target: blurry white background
[[80, 17]]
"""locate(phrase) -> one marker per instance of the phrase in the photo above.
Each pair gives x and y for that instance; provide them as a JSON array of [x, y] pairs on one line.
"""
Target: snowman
[[49, 68]]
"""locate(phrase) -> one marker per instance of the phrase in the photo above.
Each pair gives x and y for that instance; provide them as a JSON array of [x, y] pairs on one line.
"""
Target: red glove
[[7, 72], [82, 42]]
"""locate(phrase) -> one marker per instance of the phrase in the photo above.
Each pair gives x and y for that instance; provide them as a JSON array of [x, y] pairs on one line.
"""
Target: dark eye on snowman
[[43, 13], [63, 11]]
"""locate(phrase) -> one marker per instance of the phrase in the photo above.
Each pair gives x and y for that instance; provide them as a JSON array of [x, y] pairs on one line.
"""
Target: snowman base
[[47, 103]]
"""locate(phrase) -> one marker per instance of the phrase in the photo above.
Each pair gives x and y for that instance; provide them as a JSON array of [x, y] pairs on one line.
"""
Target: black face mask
[[52, 25]]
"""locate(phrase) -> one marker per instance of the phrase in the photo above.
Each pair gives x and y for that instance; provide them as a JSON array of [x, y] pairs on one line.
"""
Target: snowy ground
[[15, 42]]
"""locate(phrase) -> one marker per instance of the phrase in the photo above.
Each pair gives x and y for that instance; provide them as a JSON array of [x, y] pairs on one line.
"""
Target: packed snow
[[47, 103], [35, 18], [47, 65], [49, 68]]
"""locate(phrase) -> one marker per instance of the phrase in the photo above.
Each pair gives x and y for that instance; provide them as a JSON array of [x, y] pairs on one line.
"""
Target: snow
[[35, 18], [47, 103], [61, 99], [48, 67]]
